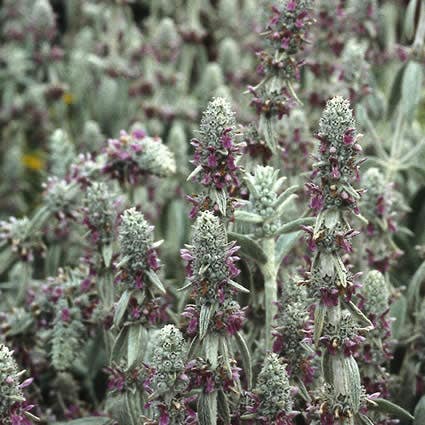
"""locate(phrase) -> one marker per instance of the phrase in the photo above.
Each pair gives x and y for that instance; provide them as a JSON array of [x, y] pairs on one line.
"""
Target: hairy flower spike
[[10, 388], [136, 239], [375, 292], [273, 399], [99, 213], [168, 360], [210, 267], [216, 153], [135, 155], [66, 336], [62, 153]]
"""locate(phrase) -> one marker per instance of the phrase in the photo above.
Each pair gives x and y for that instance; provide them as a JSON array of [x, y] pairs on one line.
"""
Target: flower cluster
[[216, 152], [337, 161], [272, 397], [138, 250], [292, 330], [21, 237], [67, 336], [62, 153], [99, 213], [379, 206], [342, 336], [11, 401], [264, 188], [135, 155], [168, 362], [210, 269]]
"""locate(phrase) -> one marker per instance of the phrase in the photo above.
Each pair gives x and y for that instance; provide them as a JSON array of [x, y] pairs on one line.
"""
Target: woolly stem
[[269, 271]]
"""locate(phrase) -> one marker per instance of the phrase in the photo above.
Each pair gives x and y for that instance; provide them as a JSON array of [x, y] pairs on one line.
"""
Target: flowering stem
[[269, 271]]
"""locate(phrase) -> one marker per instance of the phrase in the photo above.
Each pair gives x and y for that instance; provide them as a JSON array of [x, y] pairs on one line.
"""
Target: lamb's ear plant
[[265, 214], [339, 324], [216, 318]]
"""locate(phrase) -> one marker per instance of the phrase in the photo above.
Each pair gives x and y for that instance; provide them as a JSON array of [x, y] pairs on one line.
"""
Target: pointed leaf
[[294, 225], [284, 245], [245, 356], [121, 307], [135, 342], [420, 412], [248, 217], [319, 320], [391, 408], [358, 314], [236, 285], [107, 252], [204, 320], [223, 408], [153, 277], [409, 19], [249, 247]]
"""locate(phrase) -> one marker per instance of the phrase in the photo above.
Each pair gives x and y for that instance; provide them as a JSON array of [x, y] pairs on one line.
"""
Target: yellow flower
[[68, 98], [32, 161]]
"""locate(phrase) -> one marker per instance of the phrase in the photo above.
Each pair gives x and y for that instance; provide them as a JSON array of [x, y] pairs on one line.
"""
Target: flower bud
[[376, 293]]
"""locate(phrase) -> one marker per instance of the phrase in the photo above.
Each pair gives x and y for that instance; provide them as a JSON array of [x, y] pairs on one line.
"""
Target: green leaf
[[240, 288], [135, 342], [120, 345], [409, 19], [398, 310], [284, 245], [294, 225], [245, 356], [223, 408], [411, 88], [107, 251], [153, 277], [385, 406], [395, 92], [204, 320], [414, 288], [364, 420], [121, 307], [420, 412], [319, 320], [249, 247], [358, 314], [248, 217], [207, 409]]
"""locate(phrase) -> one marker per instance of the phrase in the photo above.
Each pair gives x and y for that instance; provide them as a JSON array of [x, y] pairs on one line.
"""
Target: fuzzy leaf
[[120, 344], [223, 407], [245, 356], [395, 91], [414, 287], [385, 406], [411, 88], [284, 245], [364, 420], [204, 320], [107, 251], [207, 409], [358, 314], [420, 412], [236, 285], [248, 217], [135, 342], [409, 20], [294, 225], [398, 310], [121, 307], [319, 320], [153, 277], [249, 247]]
